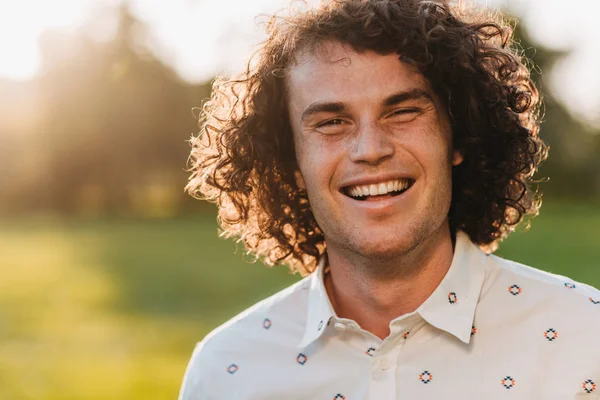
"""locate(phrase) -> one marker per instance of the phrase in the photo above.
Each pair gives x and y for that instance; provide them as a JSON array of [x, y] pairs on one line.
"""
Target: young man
[[378, 145]]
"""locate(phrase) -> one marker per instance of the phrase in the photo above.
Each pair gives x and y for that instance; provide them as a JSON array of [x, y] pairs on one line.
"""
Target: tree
[[115, 122], [573, 165]]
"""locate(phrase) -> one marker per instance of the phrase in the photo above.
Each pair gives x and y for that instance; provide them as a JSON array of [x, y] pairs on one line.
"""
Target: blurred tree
[[573, 165], [19, 103], [114, 124], [103, 130]]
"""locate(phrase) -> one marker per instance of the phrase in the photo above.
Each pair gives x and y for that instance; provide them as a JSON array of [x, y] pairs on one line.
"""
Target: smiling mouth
[[378, 191]]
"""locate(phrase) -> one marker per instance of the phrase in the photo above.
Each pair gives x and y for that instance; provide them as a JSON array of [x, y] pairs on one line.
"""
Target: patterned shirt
[[492, 329]]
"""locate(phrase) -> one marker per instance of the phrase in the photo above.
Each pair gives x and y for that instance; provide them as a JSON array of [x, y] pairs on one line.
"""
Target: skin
[[365, 118]]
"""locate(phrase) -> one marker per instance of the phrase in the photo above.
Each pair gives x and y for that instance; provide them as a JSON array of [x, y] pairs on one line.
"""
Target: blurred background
[[110, 273]]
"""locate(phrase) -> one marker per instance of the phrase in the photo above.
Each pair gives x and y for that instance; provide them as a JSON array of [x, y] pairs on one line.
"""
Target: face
[[374, 148]]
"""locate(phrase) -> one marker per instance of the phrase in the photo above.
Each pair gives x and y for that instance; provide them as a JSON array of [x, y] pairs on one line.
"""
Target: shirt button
[[384, 363]]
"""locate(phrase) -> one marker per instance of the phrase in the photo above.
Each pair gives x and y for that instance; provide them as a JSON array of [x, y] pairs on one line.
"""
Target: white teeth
[[378, 189], [373, 190]]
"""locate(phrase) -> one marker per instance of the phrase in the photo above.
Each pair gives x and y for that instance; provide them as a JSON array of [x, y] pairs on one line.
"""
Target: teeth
[[373, 190], [378, 189]]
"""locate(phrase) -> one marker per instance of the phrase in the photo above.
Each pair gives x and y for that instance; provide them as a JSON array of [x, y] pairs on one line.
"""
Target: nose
[[371, 145]]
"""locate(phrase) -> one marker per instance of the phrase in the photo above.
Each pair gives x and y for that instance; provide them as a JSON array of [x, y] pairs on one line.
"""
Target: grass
[[112, 308], [564, 239]]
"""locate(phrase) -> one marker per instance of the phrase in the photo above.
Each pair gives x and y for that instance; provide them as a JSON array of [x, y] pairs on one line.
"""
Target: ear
[[457, 157], [300, 180]]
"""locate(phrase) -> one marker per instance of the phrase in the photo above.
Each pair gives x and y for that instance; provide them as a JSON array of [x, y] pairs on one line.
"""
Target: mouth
[[378, 191]]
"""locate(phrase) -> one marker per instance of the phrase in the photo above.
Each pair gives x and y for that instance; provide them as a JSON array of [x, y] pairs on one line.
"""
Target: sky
[[203, 38]]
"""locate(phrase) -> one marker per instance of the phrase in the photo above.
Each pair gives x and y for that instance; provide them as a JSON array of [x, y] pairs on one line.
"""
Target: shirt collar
[[320, 311], [451, 307]]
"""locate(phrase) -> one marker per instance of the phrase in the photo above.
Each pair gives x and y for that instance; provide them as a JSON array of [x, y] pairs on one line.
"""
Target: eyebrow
[[319, 107], [334, 107], [413, 94]]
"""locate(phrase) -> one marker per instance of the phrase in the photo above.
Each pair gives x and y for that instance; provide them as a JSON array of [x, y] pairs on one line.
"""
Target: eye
[[332, 126], [403, 115], [331, 122], [404, 111]]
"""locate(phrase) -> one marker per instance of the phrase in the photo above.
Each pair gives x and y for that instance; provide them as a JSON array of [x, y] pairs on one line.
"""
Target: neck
[[374, 292]]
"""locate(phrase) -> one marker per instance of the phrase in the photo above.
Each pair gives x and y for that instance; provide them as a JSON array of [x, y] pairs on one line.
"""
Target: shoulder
[[278, 320], [541, 293], [283, 313], [545, 282], [550, 319]]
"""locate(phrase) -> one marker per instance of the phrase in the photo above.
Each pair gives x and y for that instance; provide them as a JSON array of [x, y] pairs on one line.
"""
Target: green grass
[[564, 239], [111, 309]]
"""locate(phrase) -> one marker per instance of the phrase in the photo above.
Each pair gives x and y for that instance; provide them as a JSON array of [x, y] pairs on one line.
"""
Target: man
[[377, 145]]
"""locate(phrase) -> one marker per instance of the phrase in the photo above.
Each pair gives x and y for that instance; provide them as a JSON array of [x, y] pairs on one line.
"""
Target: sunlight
[[21, 24], [184, 32]]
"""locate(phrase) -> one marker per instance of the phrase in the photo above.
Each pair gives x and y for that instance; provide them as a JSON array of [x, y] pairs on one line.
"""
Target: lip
[[384, 204], [370, 180]]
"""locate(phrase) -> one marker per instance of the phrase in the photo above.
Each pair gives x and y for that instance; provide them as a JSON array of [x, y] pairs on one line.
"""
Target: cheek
[[436, 146], [308, 162], [302, 156], [316, 161]]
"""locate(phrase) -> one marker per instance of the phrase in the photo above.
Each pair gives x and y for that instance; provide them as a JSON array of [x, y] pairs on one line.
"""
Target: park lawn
[[564, 239], [111, 309]]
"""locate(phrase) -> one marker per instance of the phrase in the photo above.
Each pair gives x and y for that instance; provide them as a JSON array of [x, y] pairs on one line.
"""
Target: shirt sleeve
[[195, 381]]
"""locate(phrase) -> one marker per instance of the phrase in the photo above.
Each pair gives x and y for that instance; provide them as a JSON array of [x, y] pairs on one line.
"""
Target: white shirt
[[493, 329]]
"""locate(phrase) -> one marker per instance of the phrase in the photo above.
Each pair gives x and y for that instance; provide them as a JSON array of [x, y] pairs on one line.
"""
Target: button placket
[[384, 363], [383, 373]]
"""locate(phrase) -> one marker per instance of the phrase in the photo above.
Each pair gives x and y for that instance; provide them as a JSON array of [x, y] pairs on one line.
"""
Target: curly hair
[[244, 158]]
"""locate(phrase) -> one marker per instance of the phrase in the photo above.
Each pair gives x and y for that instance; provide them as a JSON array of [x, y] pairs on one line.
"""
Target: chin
[[383, 247]]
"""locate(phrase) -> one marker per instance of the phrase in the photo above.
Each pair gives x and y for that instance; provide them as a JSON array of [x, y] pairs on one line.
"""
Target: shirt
[[492, 329]]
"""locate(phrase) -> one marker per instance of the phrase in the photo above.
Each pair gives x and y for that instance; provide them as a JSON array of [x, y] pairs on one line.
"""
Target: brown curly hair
[[244, 157]]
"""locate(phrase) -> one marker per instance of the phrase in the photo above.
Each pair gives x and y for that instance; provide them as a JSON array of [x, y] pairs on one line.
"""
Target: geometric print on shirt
[[540, 338], [514, 290], [550, 334], [426, 377], [589, 386], [508, 382]]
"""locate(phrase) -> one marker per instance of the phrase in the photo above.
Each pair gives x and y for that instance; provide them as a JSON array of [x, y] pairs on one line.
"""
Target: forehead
[[332, 71]]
